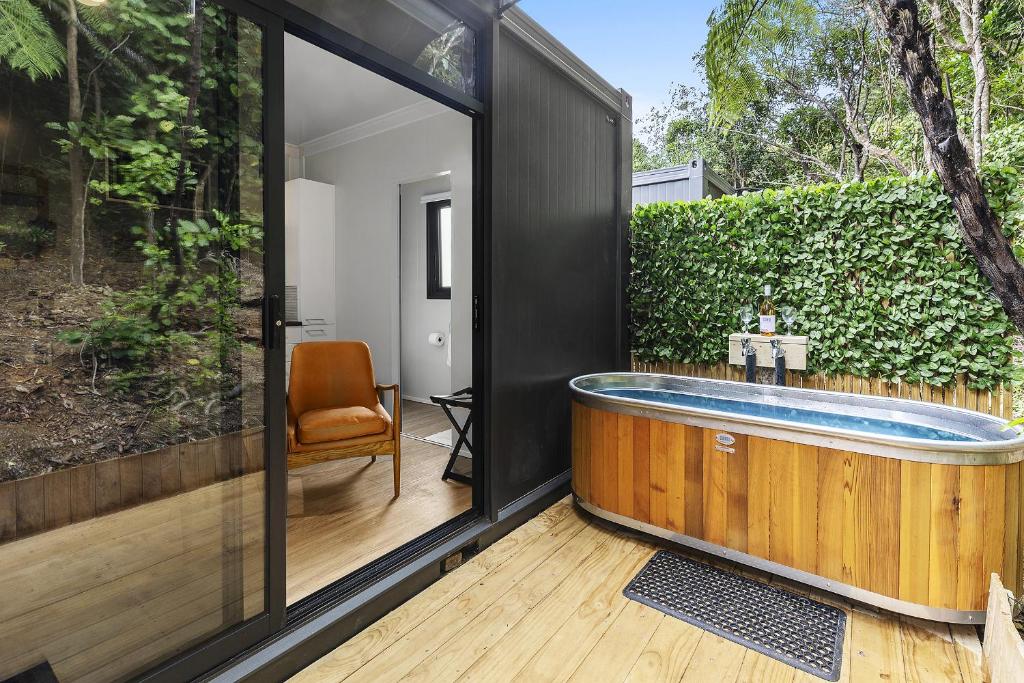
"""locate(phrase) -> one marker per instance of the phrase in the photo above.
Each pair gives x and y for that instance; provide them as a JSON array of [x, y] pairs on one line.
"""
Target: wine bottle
[[767, 313]]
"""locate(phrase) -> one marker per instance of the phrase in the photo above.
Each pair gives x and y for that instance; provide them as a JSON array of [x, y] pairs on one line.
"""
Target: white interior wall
[[292, 162], [425, 370], [367, 174]]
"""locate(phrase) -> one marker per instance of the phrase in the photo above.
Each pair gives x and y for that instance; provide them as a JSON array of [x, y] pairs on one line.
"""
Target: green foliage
[[740, 29], [158, 322], [27, 40], [882, 281], [26, 238]]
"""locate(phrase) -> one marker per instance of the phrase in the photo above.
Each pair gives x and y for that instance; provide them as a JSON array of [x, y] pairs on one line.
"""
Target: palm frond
[[27, 40], [735, 32]]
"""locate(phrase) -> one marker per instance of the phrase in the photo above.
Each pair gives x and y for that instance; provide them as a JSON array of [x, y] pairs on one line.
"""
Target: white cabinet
[[293, 335], [318, 332], [309, 249], [309, 261]]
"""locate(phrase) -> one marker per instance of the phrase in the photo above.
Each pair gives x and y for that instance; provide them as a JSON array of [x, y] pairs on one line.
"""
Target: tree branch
[[942, 28]]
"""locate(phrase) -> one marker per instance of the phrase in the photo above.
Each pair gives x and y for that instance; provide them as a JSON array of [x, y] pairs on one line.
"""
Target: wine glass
[[788, 317], [746, 316]]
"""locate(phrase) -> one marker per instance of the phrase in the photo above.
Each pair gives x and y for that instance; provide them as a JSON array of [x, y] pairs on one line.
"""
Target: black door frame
[[278, 18]]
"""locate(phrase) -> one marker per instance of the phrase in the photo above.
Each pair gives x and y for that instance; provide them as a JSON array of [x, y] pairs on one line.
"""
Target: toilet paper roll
[[435, 339]]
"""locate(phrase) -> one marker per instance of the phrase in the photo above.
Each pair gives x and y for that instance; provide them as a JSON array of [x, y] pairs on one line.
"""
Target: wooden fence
[[998, 401], [48, 501]]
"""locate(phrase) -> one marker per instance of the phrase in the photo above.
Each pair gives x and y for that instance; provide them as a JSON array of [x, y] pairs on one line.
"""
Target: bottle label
[[767, 324]]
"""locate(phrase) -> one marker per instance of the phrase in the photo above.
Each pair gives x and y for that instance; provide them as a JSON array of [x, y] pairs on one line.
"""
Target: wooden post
[[1003, 648]]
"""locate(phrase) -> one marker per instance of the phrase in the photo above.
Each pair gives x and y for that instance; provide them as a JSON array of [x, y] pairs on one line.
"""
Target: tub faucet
[[749, 354], [779, 356]]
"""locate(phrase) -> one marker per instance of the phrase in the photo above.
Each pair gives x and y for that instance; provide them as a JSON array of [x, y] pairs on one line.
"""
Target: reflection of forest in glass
[[449, 57], [131, 226]]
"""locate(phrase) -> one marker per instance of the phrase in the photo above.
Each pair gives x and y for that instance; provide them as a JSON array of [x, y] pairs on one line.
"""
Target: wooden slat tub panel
[[737, 496], [830, 513], [877, 515], [1011, 569], [681, 441], [781, 491], [642, 469], [918, 532], [759, 488], [943, 545], [659, 473], [625, 461], [580, 440], [714, 490], [915, 530], [805, 508]]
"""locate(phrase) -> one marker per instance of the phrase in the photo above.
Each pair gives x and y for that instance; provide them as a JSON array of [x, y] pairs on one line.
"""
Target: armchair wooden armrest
[[396, 414]]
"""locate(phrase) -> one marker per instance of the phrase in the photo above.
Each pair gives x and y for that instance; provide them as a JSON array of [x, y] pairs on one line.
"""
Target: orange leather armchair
[[334, 408]]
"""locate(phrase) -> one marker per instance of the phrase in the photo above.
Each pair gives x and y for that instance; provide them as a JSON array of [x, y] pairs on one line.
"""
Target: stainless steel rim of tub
[[996, 444]]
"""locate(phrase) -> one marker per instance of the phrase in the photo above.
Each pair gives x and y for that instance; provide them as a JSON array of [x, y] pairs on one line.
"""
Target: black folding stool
[[460, 399]]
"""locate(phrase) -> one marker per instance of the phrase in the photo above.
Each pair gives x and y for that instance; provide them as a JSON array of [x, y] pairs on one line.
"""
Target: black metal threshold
[[320, 623]]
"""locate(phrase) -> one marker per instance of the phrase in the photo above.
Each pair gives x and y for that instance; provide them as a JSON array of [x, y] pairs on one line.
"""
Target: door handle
[[273, 324]]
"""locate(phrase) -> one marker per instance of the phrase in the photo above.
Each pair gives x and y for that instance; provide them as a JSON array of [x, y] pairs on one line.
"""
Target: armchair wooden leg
[[373, 459], [397, 464]]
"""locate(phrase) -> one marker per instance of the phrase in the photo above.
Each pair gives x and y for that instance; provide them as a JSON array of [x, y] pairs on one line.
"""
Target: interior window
[[439, 249]]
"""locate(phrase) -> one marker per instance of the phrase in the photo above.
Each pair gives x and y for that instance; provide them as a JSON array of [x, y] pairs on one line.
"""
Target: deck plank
[[877, 647], [929, 653], [667, 653], [619, 648]]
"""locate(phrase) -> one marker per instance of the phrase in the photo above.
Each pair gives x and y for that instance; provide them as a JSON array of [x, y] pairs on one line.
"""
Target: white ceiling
[[325, 93]]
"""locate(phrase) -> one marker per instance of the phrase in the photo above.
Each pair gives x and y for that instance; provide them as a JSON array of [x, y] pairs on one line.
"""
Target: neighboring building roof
[[686, 183]]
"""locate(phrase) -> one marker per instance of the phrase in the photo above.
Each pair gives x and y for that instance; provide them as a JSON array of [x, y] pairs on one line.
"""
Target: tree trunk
[[953, 164], [76, 173]]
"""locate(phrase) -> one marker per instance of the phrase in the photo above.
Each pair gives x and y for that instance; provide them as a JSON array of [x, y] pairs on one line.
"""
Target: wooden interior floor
[[342, 514], [545, 604]]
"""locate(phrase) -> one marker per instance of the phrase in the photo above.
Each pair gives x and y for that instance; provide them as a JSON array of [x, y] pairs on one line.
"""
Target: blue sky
[[643, 46]]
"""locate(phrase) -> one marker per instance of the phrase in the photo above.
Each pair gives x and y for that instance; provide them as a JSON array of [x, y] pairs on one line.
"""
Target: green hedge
[[881, 279]]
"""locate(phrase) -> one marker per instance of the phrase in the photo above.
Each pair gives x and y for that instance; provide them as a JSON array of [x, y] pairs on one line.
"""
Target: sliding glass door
[[134, 338]]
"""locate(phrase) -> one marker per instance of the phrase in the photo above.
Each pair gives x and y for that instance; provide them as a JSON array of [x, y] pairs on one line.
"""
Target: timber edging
[[55, 499]]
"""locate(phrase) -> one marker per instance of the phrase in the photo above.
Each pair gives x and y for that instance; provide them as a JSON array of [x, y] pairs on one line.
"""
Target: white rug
[[443, 438]]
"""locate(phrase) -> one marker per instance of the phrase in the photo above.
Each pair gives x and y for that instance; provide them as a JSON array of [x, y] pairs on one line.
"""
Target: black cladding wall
[[555, 250]]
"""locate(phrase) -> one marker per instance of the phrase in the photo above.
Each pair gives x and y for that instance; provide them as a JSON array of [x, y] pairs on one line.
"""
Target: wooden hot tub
[[905, 505]]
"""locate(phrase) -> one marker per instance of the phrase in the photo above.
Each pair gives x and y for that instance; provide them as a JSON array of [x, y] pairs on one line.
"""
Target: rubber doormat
[[798, 631]]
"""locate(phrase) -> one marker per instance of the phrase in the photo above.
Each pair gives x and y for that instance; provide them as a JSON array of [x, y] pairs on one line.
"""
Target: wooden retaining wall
[[998, 401], [48, 501]]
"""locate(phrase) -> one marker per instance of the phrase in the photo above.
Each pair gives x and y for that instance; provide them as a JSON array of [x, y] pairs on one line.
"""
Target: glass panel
[[416, 31], [446, 246], [131, 366]]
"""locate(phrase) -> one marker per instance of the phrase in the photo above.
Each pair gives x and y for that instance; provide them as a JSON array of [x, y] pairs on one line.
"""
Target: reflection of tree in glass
[[449, 57]]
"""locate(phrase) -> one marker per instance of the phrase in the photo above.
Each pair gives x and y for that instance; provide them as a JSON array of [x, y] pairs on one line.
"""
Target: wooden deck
[[109, 597], [545, 604], [342, 514]]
